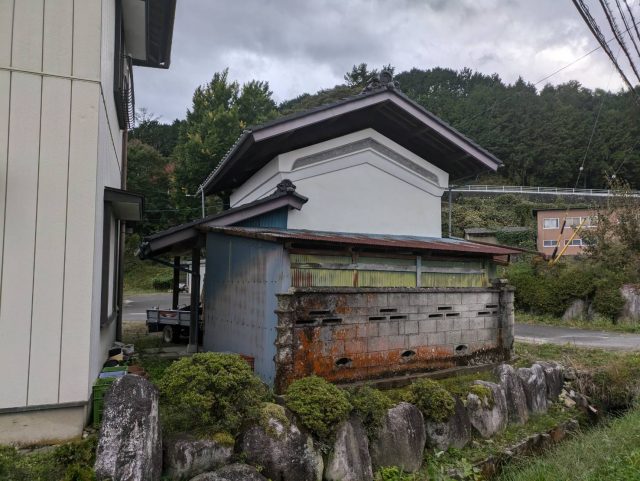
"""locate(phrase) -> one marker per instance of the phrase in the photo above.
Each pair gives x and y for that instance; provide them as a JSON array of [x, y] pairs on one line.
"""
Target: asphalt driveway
[[539, 334], [135, 306]]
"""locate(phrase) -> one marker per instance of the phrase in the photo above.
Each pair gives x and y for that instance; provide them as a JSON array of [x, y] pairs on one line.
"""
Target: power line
[[616, 32], [628, 27], [633, 20], [595, 30]]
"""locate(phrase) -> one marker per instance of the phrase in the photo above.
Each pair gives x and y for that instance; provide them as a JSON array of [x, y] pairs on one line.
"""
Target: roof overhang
[[124, 205], [385, 110], [450, 246], [148, 30], [180, 239]]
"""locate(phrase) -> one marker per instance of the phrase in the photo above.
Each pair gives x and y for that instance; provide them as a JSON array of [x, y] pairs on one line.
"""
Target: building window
[[550, 243], [573, 222], [574, 243], [551, 223]]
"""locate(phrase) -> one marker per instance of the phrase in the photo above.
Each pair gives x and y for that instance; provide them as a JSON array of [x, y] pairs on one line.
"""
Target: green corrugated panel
[[386, 279], [386, 261], [437, 279], [315, 259], [321, 278], [462, 264]]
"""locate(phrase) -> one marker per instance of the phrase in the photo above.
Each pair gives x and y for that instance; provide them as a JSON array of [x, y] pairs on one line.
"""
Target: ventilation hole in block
[[444, 308], [491, 306], [332, 320], [484, 313], [377, 318], [432, 316], [461, 349], [319, 313], [494, 312], [408, 354], [397, 318], [389, 309], [304, 322], [343, 362], [453, 314]]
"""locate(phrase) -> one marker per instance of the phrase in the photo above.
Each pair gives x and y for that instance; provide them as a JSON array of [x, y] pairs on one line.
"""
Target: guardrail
[[516, 189]]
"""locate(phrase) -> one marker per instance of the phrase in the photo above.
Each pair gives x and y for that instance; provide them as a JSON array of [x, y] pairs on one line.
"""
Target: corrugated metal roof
[[394, 242], [484, 230]]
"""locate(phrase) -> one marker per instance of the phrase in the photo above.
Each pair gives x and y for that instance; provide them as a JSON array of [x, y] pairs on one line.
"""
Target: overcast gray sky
[[305, 45]]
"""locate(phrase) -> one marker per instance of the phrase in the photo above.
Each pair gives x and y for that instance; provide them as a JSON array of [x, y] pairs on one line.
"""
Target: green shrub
[[393, 473], [435, 402], [319, 405], [162, 282], [77, 472], [370, 405], [210, 392], [607, 300]]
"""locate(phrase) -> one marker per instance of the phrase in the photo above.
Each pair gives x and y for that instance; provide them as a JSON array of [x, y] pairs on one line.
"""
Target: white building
[[66, 101]]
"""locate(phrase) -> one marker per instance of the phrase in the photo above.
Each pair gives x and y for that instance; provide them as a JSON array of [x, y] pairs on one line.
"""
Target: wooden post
[[195, 298], [176, 282]]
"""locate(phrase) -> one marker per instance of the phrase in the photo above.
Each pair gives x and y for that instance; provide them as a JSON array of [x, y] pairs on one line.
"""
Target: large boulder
[[401, 439], [553, 377], [455, 432], [233, 472], [488, 413], [514, 394], [130, 443], [535, 388], [283, 451], [185, 457], [349, 460], [631, 310], [577, 310]]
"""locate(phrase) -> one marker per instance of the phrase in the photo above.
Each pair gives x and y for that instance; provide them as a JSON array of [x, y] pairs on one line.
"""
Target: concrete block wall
[[353, 334]]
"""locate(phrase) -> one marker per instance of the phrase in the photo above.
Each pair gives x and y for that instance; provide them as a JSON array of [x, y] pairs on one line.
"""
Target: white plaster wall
[[59, 147], [363, 191]]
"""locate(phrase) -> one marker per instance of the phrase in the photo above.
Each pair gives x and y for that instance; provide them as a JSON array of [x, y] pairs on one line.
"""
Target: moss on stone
[[273, 412], [370, 405], [484, 393], [318, 405], [435, 402], [224, 439]]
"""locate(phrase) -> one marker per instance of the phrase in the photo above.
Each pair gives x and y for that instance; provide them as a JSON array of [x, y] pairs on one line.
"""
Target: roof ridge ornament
[[285, 186], [383, 80]]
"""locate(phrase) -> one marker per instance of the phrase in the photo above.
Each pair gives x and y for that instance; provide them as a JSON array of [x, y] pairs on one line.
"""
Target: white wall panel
[[5, 91], [27, 34], [81, 228], [50, 242], [6, 31], [20, 221], [57, 44], [106, 73], [86, 39]]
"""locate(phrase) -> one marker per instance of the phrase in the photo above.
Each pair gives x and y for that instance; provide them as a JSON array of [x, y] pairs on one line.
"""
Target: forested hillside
[[540, 132]]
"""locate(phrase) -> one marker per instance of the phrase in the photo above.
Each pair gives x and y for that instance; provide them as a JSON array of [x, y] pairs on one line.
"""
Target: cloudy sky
[[305, 45]]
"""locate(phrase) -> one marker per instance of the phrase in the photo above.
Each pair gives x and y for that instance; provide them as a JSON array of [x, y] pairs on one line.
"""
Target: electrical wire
[[606, 8]]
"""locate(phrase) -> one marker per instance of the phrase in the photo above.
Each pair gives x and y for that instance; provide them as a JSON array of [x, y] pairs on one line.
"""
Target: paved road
[[135, 307], [578, 337]]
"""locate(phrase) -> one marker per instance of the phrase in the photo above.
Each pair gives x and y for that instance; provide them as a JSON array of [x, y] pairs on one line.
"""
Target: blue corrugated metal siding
[[242, 280], [276, 219]]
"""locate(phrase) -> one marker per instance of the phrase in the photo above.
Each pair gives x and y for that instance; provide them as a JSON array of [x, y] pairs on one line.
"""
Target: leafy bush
[[607, 300], [162, 282], [393, 473], [370, 405], [210, 392], [435, 402], [319, 405]]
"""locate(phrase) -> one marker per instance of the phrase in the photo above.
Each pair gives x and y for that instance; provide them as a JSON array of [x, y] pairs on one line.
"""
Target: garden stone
[[130, 443], [576, 310], [488, 417], [283, 450], [184, 457], [350, 459], [535, 388], [631, 310], [554, 378], [401, 439], [514, 394], [233, 472], [455, 432]]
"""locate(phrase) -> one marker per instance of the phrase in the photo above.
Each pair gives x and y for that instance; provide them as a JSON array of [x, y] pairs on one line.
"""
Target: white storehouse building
[[66, 102]]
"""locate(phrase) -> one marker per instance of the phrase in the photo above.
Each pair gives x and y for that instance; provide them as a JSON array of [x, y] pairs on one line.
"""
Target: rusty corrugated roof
[[404, 242]]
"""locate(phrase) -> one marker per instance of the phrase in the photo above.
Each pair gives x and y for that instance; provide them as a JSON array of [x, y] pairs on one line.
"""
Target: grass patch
[[606, 453], [66, 462], [139, 275], [569, 355], [597, 324], [479, 449]]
